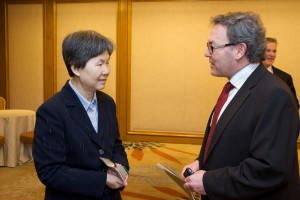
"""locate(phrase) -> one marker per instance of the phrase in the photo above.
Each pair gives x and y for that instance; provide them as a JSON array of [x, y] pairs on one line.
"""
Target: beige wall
[[172, 89], [25, 55], [170, 86]]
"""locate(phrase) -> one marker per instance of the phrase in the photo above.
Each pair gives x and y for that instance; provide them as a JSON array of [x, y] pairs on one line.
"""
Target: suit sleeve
[[119, 154]]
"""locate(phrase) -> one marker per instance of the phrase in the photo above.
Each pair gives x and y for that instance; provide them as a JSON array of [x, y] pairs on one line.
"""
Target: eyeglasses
[[211, 48]]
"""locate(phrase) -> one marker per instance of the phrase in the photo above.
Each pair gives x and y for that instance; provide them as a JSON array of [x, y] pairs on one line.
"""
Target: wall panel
[[166, 86], [171, 86], [25, 55], [160, 78]]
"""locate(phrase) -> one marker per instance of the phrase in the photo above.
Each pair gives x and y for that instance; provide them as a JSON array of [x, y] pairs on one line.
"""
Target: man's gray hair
[[244, 27]]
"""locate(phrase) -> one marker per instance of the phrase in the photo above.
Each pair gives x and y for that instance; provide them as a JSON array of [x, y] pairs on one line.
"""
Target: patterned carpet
[[146, 181], [149, 182]]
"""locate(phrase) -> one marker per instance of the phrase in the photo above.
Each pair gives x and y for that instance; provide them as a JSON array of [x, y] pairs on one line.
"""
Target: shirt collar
[[270, 69], [86, 104], [241, 76]]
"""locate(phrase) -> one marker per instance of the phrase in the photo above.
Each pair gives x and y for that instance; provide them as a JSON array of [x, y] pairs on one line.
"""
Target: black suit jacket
[[287, 78], [253, 152], [66, 147]]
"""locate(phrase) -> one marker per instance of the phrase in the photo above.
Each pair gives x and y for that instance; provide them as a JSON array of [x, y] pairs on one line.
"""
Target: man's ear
[[75, 70], [241, 50]]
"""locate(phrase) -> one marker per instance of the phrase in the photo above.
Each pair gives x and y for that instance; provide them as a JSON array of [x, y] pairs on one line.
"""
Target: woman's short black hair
[[79, 47]]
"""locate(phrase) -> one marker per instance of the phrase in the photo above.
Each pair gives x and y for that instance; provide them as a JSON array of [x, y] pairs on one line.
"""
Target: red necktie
[[221, 100]]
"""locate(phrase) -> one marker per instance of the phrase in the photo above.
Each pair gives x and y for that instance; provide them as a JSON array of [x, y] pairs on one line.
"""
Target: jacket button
[[101, 151], [106, 190]]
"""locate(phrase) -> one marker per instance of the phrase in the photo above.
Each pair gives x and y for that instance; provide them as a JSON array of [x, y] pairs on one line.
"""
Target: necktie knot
[[228, 86]]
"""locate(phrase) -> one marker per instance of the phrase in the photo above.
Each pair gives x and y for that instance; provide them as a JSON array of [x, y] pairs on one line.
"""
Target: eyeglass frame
[[211, 48]]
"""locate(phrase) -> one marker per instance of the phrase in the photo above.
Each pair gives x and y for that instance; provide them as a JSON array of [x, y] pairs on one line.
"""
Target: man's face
[[221, 59], [270, 54]]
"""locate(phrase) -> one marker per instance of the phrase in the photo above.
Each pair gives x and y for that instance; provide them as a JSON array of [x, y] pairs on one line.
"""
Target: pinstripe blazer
[[66, 147]]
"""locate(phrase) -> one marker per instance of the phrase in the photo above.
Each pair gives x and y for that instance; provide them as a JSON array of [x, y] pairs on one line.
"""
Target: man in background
[[270, 56]]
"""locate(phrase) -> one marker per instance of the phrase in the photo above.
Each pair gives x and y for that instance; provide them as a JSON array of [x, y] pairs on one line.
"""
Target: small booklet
[[177, 180], [120, 170]]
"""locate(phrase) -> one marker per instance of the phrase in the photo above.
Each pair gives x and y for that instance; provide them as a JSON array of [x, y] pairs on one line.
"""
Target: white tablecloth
[[12, 124]]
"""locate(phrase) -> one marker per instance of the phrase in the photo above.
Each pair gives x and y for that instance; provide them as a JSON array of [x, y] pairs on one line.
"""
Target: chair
[[27, 137], [2, 103], [2, 142]]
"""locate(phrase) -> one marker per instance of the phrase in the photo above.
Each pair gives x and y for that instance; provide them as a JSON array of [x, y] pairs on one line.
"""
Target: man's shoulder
[[280, 72]]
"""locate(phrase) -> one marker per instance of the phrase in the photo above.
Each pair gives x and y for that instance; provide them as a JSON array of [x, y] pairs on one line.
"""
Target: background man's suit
[[243, 156], [65, 131], [287, 78]]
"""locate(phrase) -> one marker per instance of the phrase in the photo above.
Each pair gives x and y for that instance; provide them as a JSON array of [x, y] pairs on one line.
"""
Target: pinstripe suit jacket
[[66, 147]]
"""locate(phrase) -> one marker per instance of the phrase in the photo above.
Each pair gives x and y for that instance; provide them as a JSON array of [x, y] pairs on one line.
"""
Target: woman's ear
[[241, 50], [75, 70]]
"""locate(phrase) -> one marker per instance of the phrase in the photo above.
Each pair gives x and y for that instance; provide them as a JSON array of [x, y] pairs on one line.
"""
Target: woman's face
[[94, 75]]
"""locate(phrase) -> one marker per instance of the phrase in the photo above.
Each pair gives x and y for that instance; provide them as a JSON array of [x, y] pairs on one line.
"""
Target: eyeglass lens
[[210, 48]]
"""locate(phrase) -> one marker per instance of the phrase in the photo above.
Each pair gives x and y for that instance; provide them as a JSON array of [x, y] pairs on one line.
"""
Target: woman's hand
[[113, 181]]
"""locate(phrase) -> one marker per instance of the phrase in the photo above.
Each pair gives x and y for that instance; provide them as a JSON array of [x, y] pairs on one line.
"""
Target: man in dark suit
[[252, 153], [78, 125], [269, 59]]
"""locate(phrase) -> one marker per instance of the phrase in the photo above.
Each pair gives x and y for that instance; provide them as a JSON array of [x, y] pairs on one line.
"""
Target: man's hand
[[193, 166], [195, 182]]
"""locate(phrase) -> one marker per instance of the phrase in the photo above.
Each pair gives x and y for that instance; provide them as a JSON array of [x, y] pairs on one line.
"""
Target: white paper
[[177, 180]]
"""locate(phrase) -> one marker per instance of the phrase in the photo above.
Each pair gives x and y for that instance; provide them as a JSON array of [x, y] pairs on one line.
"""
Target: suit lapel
[[101, 115], [275, 71], [234, 105], [78, 113]]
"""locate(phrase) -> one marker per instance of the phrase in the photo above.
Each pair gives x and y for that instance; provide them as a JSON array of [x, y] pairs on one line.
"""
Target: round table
[[12, 124]]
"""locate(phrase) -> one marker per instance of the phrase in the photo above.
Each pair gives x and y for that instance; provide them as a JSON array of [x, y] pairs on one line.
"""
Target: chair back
[[2, 103], [2, 140], [27, 137]]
